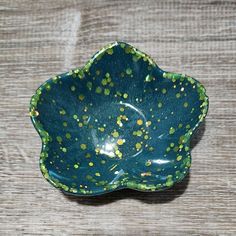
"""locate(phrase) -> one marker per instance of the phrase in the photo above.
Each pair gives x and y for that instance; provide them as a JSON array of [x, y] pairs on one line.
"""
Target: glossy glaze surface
[[119, 122]]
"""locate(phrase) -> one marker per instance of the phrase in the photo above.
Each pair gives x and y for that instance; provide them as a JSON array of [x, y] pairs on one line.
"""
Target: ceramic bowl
[[118, 122]]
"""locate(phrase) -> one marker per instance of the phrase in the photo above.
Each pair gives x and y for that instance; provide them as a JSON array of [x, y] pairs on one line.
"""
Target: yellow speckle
[[159, 105], [163, 91], [146, 137], [48, 87], [62, 112], [64, 149], [109, 79], [98, 90], [151, 149], [188, 126], [128, 49], [81, 97], [68, 135], [87, 155], [148, 78], [83, 146], [139, 122], [122, 45], [104, 82], [169, 181], [172, 130], [138, 145], [139, 133], [54, 78], [124, 117], [122, 109], [117, 152], [80, 124], [128, 71], [118, 94], [110, 51], [106, 91], [59, 139], [85, 117], [64, 124], [146, 174], [148, 123], [75, 117], [120, 141], [101, 129], [185, 104], [177, 95], [176, 149], [186, 149], [148, 163], [72, 88], [91, 163], [97, 174], [76, 166], [97, 150], [120, 155], [179, 158], [34, 113], [125, 95], [115, 134]]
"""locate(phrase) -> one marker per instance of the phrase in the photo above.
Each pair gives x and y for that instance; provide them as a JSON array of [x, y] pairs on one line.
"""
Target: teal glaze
[[119, 122]]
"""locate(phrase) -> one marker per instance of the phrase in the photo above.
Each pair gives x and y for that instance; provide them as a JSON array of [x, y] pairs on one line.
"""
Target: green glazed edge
[[125, 183]]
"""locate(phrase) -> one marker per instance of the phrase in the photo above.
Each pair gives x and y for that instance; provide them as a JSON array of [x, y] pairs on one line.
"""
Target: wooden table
[[39, 39]]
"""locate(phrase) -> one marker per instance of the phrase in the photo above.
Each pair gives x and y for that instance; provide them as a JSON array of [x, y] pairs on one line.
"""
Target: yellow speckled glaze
[[118, 122]]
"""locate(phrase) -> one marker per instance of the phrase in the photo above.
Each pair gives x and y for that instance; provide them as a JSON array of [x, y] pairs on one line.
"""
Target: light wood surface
[[39, 39]]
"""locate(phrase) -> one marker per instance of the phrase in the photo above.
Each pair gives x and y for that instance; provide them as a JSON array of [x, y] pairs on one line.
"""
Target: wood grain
[[39, 39]]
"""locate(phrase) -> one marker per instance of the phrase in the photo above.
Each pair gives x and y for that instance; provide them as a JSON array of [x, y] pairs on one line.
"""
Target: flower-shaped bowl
[[118, 122]]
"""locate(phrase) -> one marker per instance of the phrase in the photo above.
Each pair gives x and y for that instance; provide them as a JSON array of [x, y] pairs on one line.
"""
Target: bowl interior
[[118, 119]]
